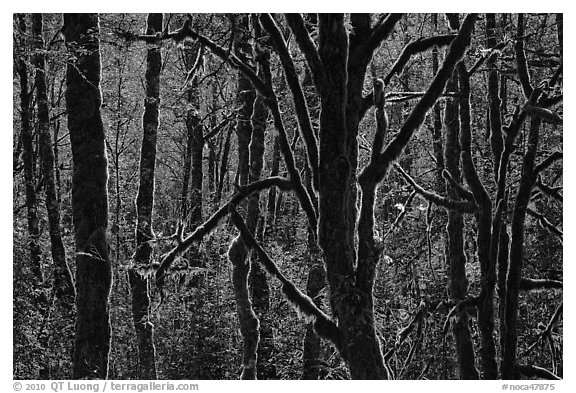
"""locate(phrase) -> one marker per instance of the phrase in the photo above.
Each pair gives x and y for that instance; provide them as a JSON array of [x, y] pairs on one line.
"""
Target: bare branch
[[535, 371], [185, 31], [402, 214], [536, 284]]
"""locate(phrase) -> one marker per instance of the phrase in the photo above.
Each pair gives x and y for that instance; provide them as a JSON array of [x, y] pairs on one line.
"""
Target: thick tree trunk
[[89, 196], [63, 283], [28, 160], [361, 348], [140, 283]]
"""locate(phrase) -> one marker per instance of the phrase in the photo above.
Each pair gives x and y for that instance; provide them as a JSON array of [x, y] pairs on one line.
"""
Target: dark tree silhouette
[[89, 196]]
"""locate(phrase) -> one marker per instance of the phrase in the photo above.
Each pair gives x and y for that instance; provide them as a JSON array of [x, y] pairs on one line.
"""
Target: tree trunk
[[238, 251], [224, 163], [63, 283], [458, 282], [273, 193], [28, 160], [361, 348], [139, 283], [483, 235], [260, 290], [517, 250], [316, 279], [89, 196]]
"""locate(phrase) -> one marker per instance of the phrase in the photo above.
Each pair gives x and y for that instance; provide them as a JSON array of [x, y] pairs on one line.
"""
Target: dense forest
[[287, 196]]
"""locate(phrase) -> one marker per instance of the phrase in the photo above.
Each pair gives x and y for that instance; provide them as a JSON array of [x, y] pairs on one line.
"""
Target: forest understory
[[287, 196]]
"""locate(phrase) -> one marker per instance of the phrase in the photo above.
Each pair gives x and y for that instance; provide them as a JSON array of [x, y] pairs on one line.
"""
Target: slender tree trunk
[[140, 283], [483, 235], [224, 163], [260, 290], [517, 250], [316, 279], [273, 193], [28, 160], [458, 282], [437, 126], [238, 251], [89, 196], [63, 283]]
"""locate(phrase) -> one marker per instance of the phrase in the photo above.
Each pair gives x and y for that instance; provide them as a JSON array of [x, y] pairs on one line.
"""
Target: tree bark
[[89, 196], [483, 234], [28, 159], [63, 283], [517, 250], [139, 283], [259, 288], [239, 251], [458, 282]]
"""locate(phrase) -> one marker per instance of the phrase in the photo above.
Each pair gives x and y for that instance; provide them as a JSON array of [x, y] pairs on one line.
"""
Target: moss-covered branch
[[414, 120], [304, 306], [209, 225], [300, 105], [460, 206], [420, 45], [307, 46]]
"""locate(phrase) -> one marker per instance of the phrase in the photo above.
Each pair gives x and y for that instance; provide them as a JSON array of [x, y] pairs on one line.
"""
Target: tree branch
[[380, 32], [416, 117], [209, 225], [462, 192], [185, 31], [460, 206], [300, 105], [536, 284], [545, 114], [521, 63], [545, 223], [550, 191], [307, 46], [422, 44], [555, 156], [535, 371], [304, 306]]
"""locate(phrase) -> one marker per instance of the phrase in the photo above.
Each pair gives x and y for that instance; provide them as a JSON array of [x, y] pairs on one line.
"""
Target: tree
[[28, 156], [89, 196], [289, 96], [139, 281]]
